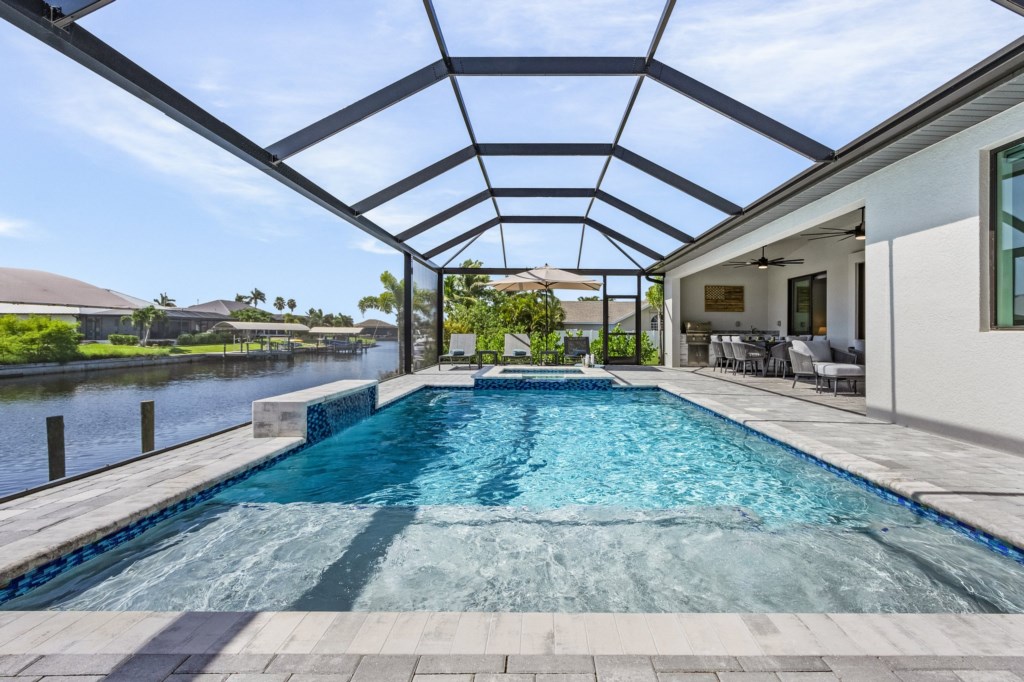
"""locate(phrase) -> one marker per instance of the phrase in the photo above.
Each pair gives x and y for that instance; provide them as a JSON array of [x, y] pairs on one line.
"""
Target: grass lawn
[[93, 351]]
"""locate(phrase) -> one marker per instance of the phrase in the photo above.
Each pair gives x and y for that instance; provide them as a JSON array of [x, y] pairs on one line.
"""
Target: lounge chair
[[575, 348], [517, 347], [819, 359], [460, 347]]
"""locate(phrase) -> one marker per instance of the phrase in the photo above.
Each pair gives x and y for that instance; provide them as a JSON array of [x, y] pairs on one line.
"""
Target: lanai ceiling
[[592, 134]]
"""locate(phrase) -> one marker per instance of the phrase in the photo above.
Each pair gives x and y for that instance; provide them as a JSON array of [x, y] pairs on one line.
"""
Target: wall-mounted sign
[[723, 298]]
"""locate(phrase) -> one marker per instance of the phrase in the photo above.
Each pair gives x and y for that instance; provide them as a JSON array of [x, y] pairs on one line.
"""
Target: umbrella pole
[[547, 318]]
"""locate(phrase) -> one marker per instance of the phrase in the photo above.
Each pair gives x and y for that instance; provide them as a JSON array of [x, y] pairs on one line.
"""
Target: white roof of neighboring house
[[18, 285], [335, 330], [37, 309], [261, 326]]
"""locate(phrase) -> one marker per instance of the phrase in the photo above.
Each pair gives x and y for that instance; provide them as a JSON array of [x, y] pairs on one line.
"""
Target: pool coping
[[137, 520]]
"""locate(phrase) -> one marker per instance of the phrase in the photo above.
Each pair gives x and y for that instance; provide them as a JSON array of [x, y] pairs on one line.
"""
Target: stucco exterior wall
[[933, 362]]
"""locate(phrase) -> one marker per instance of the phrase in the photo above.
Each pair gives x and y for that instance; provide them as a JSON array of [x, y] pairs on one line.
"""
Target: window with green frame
[[1008, 236]]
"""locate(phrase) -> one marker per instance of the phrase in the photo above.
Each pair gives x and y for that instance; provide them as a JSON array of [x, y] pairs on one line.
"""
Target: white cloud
[[834, 60], [13, 228], [371, 245]]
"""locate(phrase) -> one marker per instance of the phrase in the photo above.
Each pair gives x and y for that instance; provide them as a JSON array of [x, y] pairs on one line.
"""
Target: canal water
[[101, 409]]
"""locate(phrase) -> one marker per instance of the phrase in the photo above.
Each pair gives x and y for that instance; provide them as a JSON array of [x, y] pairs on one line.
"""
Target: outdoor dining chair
[[748, 355], [730, 356], [778, 358], [719, 352]]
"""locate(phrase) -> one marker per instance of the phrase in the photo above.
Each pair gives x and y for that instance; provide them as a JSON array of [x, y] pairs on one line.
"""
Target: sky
[[98, 186]]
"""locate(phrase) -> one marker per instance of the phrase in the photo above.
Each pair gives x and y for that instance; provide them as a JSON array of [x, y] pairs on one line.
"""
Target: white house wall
[[933, 362]]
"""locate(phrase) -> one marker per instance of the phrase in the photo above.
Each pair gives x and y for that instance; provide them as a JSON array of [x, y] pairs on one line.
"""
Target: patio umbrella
[[546, 279]]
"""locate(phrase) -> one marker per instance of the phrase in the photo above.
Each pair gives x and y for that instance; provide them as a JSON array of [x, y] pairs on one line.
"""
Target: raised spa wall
[[315, 413]]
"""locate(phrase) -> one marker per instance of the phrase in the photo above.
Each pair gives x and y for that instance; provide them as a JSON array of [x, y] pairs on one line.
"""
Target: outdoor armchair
[[825, 362], [460, 347], [517, 347]]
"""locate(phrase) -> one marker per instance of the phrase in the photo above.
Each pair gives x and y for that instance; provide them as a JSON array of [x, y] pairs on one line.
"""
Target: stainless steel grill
[[697, 343]]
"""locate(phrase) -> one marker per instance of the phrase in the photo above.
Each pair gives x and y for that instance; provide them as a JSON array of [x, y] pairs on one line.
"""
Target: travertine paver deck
[[982, 486], [977, 485], [803, 389], [45, 525]]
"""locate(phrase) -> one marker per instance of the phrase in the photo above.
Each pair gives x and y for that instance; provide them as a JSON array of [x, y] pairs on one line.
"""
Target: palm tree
[[314, 317], [279, 304], [465, 290], [241, 298], [388, 301], [165, 301], [256, 296], [292, 305], [143, 319]]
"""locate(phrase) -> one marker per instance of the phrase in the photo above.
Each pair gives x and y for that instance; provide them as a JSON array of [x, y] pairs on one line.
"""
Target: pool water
[[610, 501]]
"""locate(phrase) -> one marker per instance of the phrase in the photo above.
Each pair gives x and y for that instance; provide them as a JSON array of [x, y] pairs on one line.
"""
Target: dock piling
[[55, 446], [148, 412]]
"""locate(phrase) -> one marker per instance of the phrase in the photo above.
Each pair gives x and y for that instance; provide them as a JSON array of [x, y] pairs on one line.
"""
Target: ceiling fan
[[833, 232], [763, 262]]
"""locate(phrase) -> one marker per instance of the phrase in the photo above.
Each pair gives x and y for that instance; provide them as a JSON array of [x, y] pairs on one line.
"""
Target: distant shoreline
[[75, 366]]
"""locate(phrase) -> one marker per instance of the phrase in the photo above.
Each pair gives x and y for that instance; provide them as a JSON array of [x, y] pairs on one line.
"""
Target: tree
[[656, 296], [251, 315], [165, 301], [341, 320], [314, 317], [256, 296], [466, 290], [589, 298], [389, 301], [279, 304], [292, 305], [143, 319], [241, 298]]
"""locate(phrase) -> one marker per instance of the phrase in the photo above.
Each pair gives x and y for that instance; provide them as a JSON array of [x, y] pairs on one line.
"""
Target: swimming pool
[[470, 500]]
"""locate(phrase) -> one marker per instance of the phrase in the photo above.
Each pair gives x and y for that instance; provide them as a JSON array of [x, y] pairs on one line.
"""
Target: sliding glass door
[[808, 305]]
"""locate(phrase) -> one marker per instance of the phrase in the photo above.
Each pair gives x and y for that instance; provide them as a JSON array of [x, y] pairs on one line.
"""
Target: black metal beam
[[442, 46], [543, 149], [547, 192], [83, 47], [68, 11], [659, 31], [407, 316], [543, 219], [357, 111], [739, 112], [618, 236], [642, 216], [1012, 5], [547, 66], [514, 271], [677, 181], [444, 215], [415, 180], [468, 234]]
